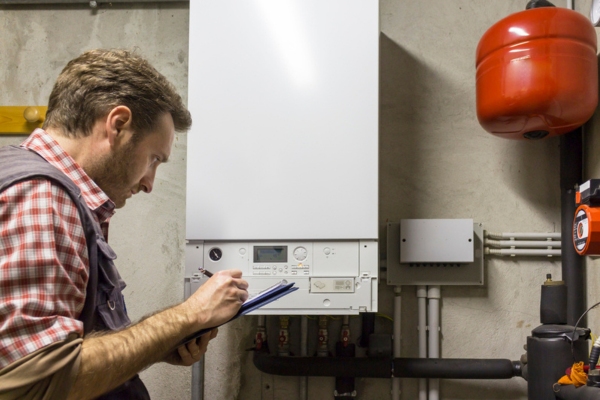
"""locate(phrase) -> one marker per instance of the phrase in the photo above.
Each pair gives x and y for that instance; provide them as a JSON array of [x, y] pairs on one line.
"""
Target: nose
[[147, 181]]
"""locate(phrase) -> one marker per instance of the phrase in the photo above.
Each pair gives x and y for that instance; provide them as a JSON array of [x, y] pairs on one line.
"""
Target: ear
[[118, 125]]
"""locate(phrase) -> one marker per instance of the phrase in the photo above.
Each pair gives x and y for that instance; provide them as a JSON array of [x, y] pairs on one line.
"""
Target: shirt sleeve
[[43, 268]]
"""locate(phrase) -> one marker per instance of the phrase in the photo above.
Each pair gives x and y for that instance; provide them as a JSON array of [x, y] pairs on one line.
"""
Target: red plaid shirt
[[43, 254]]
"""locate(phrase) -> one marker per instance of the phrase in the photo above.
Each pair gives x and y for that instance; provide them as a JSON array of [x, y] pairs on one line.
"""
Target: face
[[131, 168]]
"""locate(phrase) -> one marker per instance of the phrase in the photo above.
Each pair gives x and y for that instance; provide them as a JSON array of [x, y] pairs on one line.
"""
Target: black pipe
[[344, 386], [571, 174], [383, 367], [456, 368], [553, 304], [570, 392], [368, 328], [324, 366]]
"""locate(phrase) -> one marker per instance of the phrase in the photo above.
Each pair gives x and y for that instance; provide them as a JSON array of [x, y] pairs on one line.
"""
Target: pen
[[206, 272]]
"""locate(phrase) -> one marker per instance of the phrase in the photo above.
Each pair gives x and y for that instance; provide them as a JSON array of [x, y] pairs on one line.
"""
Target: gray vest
[[104, 307]]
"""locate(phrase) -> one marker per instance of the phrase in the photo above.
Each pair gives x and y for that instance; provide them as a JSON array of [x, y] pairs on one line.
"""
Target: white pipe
[[523, 252], [570, 4], [422, 304], [526, 235], [433, 318], [396, 390], [523, 243], [304, 353]]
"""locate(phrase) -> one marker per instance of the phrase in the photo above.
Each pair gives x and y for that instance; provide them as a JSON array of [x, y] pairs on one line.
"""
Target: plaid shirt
[[43, 254]]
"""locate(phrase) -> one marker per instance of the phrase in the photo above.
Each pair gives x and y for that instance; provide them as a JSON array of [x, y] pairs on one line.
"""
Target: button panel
[[281, 270]]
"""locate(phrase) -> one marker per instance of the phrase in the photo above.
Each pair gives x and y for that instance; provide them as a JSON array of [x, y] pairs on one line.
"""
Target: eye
[[155, 159]]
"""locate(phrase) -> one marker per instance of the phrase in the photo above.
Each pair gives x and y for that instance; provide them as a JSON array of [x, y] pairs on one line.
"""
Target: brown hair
[[99, 80]]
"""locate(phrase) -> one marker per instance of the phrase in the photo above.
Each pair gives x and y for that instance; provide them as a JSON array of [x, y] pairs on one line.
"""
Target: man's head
[[99, 80], [116, 116]]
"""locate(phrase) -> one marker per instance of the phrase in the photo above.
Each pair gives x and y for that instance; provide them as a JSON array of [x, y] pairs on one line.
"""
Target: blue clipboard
[[262, 299]]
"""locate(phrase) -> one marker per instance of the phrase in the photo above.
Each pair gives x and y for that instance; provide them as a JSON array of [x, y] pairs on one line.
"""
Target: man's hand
[[191, 352], [109, 359], [218, 300]]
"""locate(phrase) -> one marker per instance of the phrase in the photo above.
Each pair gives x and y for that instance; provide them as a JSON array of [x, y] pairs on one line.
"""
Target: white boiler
[[282, 170]]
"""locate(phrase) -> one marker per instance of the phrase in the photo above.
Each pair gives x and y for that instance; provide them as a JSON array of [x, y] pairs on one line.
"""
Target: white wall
[[435, 162]]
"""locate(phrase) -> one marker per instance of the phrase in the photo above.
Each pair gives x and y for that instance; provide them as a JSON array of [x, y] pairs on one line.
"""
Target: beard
[[113, 173]]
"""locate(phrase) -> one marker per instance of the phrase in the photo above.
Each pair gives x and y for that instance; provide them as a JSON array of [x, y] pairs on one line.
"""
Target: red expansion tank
[[537, 74]]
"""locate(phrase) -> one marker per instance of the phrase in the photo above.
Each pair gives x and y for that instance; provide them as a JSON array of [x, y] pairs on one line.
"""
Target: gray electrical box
[[435, 252], [436, 241]]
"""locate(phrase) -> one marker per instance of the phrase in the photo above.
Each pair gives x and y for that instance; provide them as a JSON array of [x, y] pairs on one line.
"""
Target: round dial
[[215, 254], [300, 253]]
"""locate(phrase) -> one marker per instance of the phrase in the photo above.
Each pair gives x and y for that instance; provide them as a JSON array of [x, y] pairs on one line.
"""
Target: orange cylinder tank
[[537, 74]]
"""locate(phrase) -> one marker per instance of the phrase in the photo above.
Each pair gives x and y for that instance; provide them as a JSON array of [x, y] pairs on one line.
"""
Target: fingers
[[241, 283], [193, 347], [185, 355], [234, 273], [242, 295], [237, 280], [218, 299], [193, 351], [204, 339]]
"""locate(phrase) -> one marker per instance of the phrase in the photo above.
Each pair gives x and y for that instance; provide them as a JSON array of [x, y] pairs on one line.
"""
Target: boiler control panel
[[334, 277]]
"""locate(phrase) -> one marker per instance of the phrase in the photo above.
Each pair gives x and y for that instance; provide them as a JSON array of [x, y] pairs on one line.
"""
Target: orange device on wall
[[537, 74], [586, 224]]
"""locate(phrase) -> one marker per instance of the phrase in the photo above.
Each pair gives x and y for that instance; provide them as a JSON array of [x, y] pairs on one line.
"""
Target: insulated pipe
[[570, 392], [368, 328], [396, 390], [523, 243], [527, 252], [571, 172], [383, 367], [303, 353], [422, 327], [433, 318], [456, 368], [524, 236]]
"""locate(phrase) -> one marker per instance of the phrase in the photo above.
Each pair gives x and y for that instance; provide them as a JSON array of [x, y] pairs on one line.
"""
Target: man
[[64, 330]]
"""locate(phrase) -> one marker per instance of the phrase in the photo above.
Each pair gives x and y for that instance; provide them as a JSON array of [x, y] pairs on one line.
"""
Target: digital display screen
[[268, 254]]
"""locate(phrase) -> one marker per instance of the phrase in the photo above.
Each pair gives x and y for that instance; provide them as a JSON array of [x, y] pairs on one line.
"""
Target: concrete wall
[[436, 162], [149, 234]]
